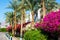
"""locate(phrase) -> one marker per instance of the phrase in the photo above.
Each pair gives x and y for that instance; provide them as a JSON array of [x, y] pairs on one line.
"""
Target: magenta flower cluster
[[51, 22]]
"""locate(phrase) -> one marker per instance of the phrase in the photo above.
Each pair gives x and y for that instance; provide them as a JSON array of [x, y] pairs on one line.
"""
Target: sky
[[3, 9]]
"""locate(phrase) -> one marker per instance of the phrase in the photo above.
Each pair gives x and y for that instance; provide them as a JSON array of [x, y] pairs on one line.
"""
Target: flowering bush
[[18, 26], [51, 22], [9, 28]]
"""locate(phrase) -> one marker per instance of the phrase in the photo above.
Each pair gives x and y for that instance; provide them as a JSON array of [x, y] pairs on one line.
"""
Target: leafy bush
[[3, 30], [51, 22], [34, 35]]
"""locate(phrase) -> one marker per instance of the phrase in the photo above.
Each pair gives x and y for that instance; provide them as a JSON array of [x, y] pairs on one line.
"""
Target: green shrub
[[34, 35], [3, 30]]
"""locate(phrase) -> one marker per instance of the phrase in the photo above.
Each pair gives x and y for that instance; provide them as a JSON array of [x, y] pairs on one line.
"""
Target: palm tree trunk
[[14, 23], [32, 23], [43, 7], [12, 28], [11, 22], [12, 31], [21, 24], [15, 18], [22, 21], [23, 15]]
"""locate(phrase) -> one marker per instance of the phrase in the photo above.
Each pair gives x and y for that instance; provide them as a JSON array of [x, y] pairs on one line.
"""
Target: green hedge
[[3, 30]]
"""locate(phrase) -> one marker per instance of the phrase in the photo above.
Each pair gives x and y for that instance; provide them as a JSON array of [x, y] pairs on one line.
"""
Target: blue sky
[[3, 5], [3, 9], [58, 1]]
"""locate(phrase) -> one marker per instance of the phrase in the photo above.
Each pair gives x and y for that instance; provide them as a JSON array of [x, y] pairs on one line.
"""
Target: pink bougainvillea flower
[[51, 22]]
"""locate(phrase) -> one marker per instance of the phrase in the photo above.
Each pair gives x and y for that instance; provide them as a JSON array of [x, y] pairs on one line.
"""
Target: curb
[[8, 36]]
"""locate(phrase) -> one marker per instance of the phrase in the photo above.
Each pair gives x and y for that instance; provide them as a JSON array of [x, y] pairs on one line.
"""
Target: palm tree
[[9, 19], [14, 5], [32, 5], [50, 4], [43, 7], [18, 17], [46, 5], [22, 11], [23, 7], [17, 6]]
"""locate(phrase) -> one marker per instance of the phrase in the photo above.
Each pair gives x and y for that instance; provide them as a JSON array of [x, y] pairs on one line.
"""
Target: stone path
[[2, 36]]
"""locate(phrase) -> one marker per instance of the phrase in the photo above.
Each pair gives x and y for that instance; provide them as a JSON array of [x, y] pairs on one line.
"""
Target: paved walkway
[[2, 36], [14, 38]]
